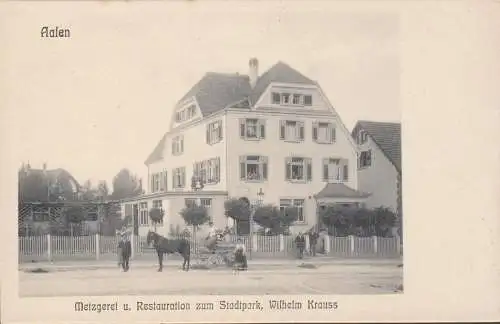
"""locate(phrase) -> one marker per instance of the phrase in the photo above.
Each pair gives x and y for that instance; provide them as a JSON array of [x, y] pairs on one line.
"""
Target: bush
[[195, 215]]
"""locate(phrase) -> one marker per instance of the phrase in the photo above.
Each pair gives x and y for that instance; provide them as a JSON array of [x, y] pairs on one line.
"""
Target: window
[[298, 169], [179, 178], [41, 214], [214, 132], [323, 133], [143, 214], [291, 130], [276, 98], [308, 100], [362, 137], [185, 114], [92, 214], [206, 202], [365, 159], [291, 99], [296, 99], [158, 182], [158, 204], [208, 170], [253, 168], [297, 204], [128, 210], [252, 129], [335, 169], [178, 145]]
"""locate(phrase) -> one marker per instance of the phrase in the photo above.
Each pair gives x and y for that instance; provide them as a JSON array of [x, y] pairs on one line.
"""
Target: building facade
[[275, 134], [379, 165]]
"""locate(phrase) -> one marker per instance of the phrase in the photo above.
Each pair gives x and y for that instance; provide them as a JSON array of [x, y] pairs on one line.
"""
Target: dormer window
[[185, 114], [362, 137], [291, 99]]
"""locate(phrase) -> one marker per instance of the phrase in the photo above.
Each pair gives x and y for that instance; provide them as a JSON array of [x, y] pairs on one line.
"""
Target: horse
[[125, 251], [164, 245]]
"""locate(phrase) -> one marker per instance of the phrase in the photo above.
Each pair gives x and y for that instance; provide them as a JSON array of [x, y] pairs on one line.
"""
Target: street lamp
[[260, 198]]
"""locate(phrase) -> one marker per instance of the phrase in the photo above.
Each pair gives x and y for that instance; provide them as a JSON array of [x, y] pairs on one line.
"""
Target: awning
[[340, 190]]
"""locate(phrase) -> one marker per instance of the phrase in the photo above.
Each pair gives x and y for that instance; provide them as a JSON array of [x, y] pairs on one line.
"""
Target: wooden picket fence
[[96, 247]]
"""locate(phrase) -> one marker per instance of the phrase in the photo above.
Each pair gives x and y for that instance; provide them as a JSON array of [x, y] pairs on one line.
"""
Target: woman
[[240, 255], [211, 239]]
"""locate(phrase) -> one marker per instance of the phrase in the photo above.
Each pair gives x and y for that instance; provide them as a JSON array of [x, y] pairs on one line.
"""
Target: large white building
[[274, 133]]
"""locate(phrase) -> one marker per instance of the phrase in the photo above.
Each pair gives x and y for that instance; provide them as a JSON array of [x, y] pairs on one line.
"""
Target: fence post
[[351, 243], [282, 243], [254, 243], [97, 247], [49, 248], [327, 244], [375, 244]]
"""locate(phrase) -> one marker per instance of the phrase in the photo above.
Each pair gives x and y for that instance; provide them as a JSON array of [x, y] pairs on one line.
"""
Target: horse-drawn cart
[[222, 255]]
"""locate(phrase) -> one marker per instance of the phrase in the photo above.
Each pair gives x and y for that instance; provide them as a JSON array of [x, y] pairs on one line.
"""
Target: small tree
[[384, 220], [239, 210], [75, 215], [156, 216], [272, 218], [195, 216]]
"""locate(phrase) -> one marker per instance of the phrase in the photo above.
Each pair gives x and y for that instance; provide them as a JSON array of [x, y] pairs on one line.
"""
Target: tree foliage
[[126, 185], [239, 210], [271, 218], [195, 215], [156, 215], [358, 221]]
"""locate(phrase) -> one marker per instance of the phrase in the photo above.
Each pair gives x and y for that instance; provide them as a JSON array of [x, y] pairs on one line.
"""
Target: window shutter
[[152, 184], [242, 128], [282, 129], [173, 146], [309, 169], [165, 180], [262, 124], [301, 130], [346, 172], [264, 168], [220, 130], [315, 131], [174, 183], [217, 170], [333, 133], [288, 171], [369, 158], [325, 169], [243, 174], [181, 144], [183, 177], [208, 134]]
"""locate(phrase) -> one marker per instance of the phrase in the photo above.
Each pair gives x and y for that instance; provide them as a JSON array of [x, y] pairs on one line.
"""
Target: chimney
[[253, 72]]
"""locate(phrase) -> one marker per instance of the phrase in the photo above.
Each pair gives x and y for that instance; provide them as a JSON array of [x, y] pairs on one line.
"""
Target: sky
[[101, 100]]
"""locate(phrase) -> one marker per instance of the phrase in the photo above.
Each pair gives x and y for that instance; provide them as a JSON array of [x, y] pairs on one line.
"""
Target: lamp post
[[260, 198]]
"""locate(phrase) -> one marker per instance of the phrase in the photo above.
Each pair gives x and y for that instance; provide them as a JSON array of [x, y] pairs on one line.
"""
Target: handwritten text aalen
[[55, 32]]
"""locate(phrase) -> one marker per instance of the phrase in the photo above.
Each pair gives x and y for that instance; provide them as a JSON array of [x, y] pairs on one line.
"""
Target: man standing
[[300, 242], [125, 247], [313, 240], [240, 256]]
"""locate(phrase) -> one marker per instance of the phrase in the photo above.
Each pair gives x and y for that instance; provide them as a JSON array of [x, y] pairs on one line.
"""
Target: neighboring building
[[44, 196], [379, 165], [241, 134]]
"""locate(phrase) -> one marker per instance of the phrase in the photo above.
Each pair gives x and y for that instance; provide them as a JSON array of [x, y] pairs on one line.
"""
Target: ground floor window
[[159, 204], [296, 204], [143, 214]]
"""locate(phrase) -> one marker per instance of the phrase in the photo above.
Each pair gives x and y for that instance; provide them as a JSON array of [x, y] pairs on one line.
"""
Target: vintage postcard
[[237, 161]]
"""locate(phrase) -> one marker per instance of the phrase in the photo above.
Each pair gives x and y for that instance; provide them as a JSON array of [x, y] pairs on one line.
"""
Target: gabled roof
[[280, 72], [339, 190], [387, 136], [217, 91]]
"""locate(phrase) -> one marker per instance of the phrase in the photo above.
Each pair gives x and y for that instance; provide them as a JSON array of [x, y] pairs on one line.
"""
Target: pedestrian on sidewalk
[[125, 248], [300, 242], [313, 240]]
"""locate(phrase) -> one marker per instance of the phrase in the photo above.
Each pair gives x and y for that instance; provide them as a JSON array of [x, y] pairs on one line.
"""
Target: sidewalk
[[94, 265]]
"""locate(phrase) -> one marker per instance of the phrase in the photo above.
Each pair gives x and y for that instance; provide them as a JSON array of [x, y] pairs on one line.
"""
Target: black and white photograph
[[192, 150]]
